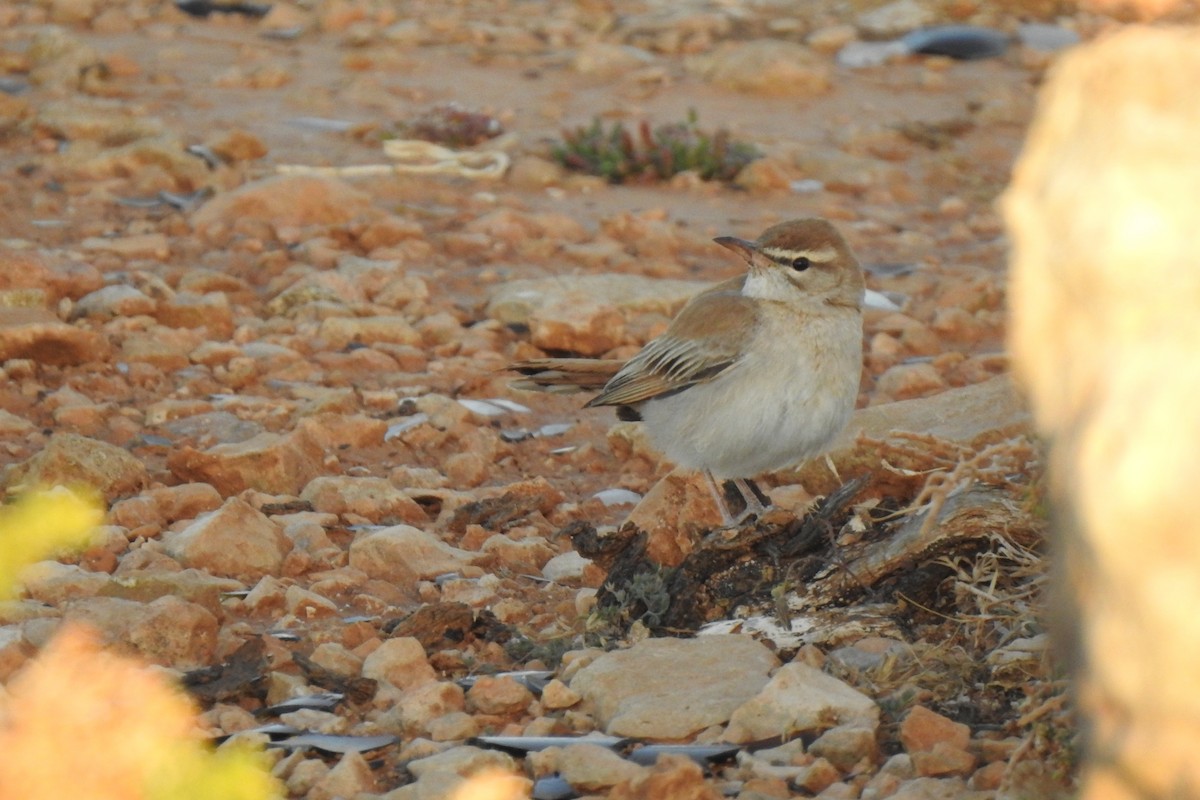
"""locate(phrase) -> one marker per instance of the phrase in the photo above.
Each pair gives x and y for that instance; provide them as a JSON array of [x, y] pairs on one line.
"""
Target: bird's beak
[[740, 246]]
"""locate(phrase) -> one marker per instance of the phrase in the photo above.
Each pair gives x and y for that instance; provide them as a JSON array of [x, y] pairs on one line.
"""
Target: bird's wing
[[708, 337], [565, 374]]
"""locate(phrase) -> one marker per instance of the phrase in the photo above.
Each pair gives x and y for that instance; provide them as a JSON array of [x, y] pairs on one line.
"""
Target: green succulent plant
[[656, 153]]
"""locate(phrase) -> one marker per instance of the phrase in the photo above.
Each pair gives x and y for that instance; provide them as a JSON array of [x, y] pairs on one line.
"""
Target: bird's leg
[[751, 495], [726, 518]]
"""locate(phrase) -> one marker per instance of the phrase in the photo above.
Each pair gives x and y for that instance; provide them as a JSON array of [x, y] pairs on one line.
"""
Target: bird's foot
[[753, 502]]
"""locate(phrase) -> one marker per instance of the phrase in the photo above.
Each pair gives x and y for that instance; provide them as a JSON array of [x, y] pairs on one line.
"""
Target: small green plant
[[522, 649], [644, 599], [653, 153]]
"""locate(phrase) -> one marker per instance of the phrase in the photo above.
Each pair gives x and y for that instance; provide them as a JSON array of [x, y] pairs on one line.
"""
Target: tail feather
[[565, 375]]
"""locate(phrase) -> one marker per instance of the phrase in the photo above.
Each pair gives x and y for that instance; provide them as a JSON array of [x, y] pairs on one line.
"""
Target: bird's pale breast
[[784, 403]]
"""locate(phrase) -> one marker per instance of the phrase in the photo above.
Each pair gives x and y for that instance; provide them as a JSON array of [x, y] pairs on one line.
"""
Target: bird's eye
[[801, 263]]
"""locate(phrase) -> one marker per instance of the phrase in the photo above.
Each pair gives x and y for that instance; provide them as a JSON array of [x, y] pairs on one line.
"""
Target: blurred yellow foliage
[[40, 524], [79, 721]]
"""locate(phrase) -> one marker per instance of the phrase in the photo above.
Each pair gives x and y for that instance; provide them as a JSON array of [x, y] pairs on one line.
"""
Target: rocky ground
[[287, 380]]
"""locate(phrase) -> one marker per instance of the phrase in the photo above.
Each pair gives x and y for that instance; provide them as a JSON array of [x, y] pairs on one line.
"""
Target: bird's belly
[[756, 418]]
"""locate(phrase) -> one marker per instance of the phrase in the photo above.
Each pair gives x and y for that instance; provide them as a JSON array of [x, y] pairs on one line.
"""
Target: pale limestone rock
[[54, 583], [557, 695], [69, 459], [14, 426], [333, 430], [931, 789], [403, 555], [237, 145], [498, 695], [607, 60], [25, 275], [206, 427], [340, 332], [185, 500], [306, 605], [143, 245], [37, 334], [895, 19], [461, 761], [765, 175], [269, 462], [236, 540], [421, 706], [169, 631], [391, 230], [456, 726], [190, 310], [156, 507], [16, 611], [989, 777], [847, 745], [844, 173], [283, 201], [944, 759], [586, 314], [518, 555], [31, 279], [671, 776], [764, 66], [818, 776], [590, 768], [375, 499], [531, 172], [119, 300], [14, 650], [801, 698], [477, 593], [830, 39], [671, 688], [961, 415], [166, 579], [137, 513], [311, 535], [267, 597], [310, 719], [305, 775], [906, 381], [337, 659], [467, 469], [149, 165], [401, 662], [72, 12], [895, 771], [569, 567], [673, 513], [675, 28], [161, 347], [921, 729]]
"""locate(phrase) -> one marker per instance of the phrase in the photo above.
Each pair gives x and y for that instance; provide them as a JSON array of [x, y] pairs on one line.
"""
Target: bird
[[757, 373]]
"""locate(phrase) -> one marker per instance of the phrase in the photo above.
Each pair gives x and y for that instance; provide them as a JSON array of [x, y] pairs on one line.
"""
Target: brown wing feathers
[[703, 341]]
